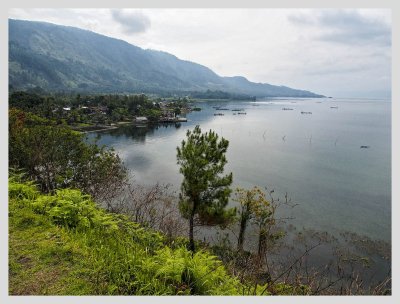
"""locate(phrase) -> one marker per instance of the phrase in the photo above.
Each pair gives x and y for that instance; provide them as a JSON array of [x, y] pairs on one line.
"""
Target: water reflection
[[138, 133]]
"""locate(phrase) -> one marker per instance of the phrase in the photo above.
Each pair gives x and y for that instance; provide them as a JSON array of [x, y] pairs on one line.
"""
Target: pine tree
[[204, 190]]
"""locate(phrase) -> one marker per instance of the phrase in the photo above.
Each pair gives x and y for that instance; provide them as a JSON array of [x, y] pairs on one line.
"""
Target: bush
[[22, 191], [201, 273]]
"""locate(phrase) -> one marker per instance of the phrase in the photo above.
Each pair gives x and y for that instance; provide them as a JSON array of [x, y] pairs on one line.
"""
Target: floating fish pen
[[306, 112], [242, 113], [219, 114]]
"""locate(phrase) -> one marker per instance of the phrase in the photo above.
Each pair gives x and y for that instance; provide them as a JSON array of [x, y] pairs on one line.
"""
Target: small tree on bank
[[255, 208], [249, 200], [204, 190]]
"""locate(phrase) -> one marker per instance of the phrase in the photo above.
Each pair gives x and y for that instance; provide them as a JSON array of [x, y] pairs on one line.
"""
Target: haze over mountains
[[61, 58]]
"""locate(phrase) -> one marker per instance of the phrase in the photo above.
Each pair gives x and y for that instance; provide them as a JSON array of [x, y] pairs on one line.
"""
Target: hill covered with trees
[[60, 58]]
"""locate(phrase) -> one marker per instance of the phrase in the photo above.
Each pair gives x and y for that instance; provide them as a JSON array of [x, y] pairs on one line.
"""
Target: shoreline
[[121, 124]]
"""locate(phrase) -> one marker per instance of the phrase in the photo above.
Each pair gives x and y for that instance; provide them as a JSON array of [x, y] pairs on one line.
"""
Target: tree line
[[83, 110]]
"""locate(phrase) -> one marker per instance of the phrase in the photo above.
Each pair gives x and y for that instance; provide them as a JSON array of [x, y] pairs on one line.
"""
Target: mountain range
[[63, 58]]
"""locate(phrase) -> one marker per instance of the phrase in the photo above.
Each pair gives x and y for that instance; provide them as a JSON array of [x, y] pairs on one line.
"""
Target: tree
[[57, 157], [250, 200], [255, 207], [264, 218], [204, 190], [177, 111]]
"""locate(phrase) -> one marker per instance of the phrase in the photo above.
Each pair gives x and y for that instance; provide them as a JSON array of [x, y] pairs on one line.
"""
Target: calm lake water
[[316, 158]]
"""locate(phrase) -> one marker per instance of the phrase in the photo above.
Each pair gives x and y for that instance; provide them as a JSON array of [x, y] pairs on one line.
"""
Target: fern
[[121, 256]]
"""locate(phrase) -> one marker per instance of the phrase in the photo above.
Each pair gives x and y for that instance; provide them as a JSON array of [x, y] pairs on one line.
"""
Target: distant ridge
[[63, 58]]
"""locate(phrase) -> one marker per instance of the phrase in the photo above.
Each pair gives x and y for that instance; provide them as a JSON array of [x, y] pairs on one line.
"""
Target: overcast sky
[[340, 53]]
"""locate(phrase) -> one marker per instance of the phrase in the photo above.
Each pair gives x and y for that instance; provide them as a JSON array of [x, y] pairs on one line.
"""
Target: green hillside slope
[[61, 58]]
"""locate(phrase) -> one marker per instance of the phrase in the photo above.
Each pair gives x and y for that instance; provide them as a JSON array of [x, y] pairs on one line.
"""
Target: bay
[[315, 158]]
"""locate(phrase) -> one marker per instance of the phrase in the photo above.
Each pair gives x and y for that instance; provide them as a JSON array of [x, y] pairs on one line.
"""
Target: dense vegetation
[[65, 244], [55, 156], [62, 242], [217, 94], [60, 58], [83, 112]]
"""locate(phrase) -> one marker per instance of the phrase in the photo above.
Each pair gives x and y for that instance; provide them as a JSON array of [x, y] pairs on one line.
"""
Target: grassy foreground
[[64, 244]]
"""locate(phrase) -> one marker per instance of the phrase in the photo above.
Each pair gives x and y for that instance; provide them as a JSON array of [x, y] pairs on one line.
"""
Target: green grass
[[63, 244], [41, 256]]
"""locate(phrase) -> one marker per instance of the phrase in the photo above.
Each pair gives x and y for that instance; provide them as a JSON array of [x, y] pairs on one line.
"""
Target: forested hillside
[[60, 58]]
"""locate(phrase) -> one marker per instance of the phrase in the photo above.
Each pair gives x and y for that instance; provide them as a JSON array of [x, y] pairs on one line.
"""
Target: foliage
[[217, 94], [264, 217], [250, 201], [254, 207], [25, 100], [80, 110], [56, 157], [200, 273], [86, 250], [22, 191], [204, 192]]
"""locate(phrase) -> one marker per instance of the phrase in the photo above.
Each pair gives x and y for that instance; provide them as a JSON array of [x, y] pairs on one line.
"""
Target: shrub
[[200, 273], [22, 190]]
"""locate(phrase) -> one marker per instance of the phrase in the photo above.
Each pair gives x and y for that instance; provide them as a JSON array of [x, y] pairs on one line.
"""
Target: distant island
[[58, 58]]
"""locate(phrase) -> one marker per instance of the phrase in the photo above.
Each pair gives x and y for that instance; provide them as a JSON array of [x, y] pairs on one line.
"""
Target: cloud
[[132, 22], [330, 70], [346, 27], [301, 19]]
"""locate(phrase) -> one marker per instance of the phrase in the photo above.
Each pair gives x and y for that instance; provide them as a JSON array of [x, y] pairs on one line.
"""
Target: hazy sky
[[341, 53]]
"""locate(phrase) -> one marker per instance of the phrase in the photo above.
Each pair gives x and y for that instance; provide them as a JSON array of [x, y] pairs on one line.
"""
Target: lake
[[316, 158]]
